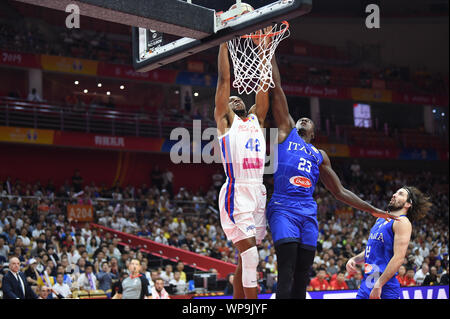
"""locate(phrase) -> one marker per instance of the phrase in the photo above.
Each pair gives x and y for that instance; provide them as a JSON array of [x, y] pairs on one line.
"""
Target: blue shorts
[[391, 290], [293, 220]]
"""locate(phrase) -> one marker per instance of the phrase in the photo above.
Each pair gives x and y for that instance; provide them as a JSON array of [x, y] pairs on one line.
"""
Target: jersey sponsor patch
[[300, 181], [252, 163], [367, 268]]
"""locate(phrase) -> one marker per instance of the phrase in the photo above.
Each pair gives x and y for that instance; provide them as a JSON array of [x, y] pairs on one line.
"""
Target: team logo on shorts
[[300, 181]]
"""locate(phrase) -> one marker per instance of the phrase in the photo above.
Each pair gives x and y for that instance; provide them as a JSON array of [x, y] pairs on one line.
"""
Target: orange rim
[[272, 34]]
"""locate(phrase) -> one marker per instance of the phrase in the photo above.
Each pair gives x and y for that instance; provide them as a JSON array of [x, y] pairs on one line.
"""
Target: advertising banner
[[335, 150], [19, 59], [128, 72], [196, 79], [421, 292], [373, 152], [26, 135], [317, 91], [423, 99], [68, 65], [371, 95], [126, 143], [419, 154]]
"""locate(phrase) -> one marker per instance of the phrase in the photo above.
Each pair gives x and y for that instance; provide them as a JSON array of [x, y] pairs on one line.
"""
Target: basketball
[[246, 6]]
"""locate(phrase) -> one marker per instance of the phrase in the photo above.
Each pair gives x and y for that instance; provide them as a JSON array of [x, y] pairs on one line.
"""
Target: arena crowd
[[68, 257]]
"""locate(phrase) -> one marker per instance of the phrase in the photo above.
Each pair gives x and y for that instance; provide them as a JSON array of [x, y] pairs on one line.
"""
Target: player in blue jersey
[[291, 212], [387, 245]]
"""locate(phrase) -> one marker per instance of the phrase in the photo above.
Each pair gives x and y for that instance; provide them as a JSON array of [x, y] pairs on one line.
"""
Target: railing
[[190, 208], [42, 115]]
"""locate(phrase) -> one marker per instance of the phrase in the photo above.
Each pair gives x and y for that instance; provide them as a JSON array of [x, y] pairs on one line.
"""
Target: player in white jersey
[[242, 199]]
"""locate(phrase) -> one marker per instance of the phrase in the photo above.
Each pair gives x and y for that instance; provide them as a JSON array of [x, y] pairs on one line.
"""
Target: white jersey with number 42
[[243, 149]]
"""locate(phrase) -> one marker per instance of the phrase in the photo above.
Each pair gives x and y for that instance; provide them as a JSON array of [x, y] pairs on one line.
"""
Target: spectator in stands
[[45, 278], [167, 275], [423, 250], [4, 249], [156, 177], [401, 275], [409, 278], [432, 278], [339, 283], [34, 96], [264, 252], [60, 287], [168, 182], [439, 268], [104, 276], [179, 285], [45, 292], [180, 268], [444, 277], [229, 285], [420, 275], [320, 282], [158, 291], [332, 269], [270, 264], [87, 280], [31, 272], [355, 281], [77, 181]]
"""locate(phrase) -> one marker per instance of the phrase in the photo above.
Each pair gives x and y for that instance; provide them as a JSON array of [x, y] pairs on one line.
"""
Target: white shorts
[[242, 210]]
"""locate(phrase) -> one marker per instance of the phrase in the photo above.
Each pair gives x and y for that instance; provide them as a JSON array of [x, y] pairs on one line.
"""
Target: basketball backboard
[[153, 48]]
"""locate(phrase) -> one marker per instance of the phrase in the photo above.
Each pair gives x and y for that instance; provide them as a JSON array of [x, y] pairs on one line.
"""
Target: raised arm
[[280, 108], [222, 109], [331, 182], [261, 106]]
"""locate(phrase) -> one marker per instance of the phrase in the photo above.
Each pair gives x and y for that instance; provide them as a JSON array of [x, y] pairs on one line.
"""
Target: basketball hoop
[[252, 54]]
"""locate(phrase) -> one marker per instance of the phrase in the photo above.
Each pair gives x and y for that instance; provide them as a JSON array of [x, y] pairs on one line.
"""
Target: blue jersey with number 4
[[298, 167], [377, 255]]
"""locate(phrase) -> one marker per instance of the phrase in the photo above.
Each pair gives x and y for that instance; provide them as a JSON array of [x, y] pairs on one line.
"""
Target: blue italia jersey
[[379, 249], [298, 167]]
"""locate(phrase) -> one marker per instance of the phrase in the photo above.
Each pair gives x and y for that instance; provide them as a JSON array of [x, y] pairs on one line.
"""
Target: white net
[[252, 54]]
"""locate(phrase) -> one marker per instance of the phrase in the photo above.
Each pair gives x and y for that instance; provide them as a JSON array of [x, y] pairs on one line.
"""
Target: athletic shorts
[[293, 220], [242, 210], [391, 290]]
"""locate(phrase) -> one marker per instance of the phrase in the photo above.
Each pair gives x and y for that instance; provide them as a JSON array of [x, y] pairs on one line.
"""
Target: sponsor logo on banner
[[300, 181], [109, 141], [80, 213]]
